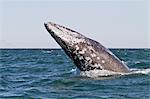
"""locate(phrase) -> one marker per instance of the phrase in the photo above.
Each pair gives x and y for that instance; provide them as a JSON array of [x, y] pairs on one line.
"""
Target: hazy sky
[[114, 23]]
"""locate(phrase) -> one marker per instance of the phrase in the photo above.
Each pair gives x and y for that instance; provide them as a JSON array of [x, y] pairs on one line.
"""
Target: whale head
[[64, 36]]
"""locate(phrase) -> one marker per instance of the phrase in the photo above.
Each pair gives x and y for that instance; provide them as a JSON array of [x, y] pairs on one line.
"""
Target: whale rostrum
[[87, 54]]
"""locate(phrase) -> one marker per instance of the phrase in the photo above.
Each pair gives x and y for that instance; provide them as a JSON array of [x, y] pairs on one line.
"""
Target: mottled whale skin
[[86, 53]]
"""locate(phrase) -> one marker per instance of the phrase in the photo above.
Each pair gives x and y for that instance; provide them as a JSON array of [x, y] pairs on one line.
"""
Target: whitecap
[[73, 70], [47, 51], [137, 62]]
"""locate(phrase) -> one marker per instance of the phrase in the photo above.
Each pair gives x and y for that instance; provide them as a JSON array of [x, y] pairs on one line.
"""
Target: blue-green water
[[49, 73]]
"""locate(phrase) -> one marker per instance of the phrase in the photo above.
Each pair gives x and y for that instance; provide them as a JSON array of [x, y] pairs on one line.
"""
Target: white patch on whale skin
[[103, 61], [84, 49], [81, 52], [87, 58], [98, 58], [80, 57], [90, 48], [97, 66], [77, 47], [93, 55]]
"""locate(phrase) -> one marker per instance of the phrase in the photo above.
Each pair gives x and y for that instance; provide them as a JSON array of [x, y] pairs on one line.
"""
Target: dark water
[[47, 74]]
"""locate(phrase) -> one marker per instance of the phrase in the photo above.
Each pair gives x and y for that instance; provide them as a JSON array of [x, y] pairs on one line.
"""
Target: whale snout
[[65, 34], [46, 25], [49, 26]]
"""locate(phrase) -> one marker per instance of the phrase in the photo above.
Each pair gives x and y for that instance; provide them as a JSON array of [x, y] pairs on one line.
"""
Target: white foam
[[47, 51], [106, 73], [98, 73], [140, 71], [137, 62], [73, 70]]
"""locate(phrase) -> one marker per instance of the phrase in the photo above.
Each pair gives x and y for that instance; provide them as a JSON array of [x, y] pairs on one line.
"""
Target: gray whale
[[86, 53]]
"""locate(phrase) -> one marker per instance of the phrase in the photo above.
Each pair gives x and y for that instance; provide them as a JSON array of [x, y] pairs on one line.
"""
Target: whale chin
[[86, 53]]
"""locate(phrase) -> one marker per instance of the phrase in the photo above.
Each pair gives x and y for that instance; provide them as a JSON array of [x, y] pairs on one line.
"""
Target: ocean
[[50, 74]]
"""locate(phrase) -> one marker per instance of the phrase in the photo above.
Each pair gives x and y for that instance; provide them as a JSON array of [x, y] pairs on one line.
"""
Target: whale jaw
[[86, 53]]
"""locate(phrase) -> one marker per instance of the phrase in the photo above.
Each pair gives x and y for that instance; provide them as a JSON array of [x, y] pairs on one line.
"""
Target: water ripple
[[50, 74]]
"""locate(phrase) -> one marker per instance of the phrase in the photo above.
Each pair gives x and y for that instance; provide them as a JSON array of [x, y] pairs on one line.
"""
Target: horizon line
[[61, 48]]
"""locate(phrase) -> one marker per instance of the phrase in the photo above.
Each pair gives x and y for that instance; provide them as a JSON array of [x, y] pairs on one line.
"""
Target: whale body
[[87, 54]]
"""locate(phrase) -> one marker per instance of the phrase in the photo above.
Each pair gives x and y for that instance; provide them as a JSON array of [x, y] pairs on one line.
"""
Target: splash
[[98, 73], [106, 73], [140, 71]]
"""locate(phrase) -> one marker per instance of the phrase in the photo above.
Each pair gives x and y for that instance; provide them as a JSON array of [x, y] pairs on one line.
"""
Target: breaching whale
[[87, 54]]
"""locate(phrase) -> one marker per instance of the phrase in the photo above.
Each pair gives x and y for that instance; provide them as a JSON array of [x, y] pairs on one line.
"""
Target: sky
[[113, 23]]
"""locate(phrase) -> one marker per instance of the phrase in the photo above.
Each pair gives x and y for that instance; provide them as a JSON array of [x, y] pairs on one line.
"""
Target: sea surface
[[50, 74]]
